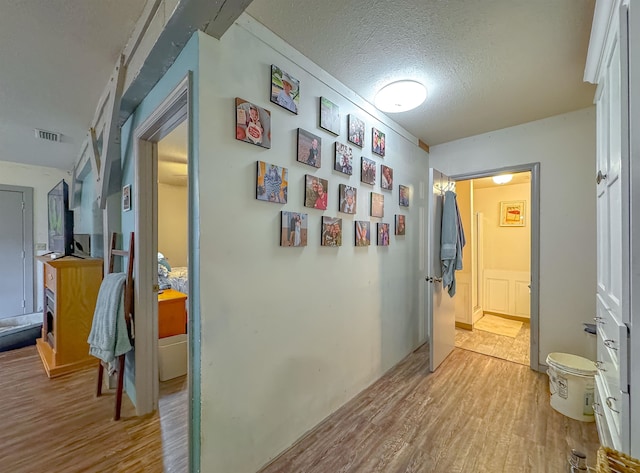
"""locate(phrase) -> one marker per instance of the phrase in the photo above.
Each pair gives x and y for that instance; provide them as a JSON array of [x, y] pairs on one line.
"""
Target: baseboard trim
[[517, 318], [464, 326]]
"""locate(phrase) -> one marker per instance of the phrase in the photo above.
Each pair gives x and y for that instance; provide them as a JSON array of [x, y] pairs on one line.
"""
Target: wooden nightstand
[[172, 313]]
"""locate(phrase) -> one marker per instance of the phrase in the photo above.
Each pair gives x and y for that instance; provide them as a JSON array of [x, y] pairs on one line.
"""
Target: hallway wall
[[290, 334], [566, 148]]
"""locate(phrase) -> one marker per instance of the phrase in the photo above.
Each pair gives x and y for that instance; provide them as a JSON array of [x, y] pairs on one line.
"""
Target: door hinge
[[24, 304], [23, 206], [23, 254]]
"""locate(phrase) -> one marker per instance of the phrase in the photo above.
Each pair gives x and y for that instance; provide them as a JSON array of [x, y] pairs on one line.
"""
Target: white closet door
[[633, 22], [612, 308]]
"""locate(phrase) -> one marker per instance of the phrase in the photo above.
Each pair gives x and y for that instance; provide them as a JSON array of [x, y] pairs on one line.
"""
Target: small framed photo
[[271, 183], [368, 171], [363, 233], [386, 177], [344, 159], [329, 116], [253, 124], [404, 195], [315, 195], [285, 89], [383, 234], [512, 213], [377, 142], [309, 148], [126, 198], [348, 199], [331, 231], [400, 224], [356, 130], [377, 205], [293, 229]]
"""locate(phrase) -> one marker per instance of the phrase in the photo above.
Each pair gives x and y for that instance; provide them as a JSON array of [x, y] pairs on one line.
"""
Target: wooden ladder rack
[[128, 316]]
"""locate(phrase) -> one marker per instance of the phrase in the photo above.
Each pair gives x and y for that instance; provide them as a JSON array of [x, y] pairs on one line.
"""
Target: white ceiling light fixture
[[502, 179], [400, 96]]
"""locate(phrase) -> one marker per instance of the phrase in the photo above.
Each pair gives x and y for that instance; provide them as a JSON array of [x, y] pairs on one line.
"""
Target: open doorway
[[165, 346], [493, 303], [172, 240]]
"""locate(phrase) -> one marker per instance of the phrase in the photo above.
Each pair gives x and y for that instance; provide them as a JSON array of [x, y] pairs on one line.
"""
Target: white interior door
[[612, 211], [441, 314]]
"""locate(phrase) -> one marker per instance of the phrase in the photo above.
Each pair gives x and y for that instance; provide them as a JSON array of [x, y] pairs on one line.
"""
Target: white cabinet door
[[612, 308]]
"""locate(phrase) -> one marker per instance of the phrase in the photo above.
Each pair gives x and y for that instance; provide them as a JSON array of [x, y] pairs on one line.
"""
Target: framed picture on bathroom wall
[[512, 213]]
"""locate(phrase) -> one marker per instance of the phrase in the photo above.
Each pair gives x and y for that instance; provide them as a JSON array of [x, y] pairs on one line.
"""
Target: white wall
[[290, 334], [565, 146], [172, 223], [505, 248], [464, 287], [41, 179]]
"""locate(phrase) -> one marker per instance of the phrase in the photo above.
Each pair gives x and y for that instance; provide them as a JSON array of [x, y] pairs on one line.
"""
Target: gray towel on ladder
[[109, 337]]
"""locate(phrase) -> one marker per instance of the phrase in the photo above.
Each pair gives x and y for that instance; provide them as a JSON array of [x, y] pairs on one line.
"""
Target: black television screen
[[60, 220]]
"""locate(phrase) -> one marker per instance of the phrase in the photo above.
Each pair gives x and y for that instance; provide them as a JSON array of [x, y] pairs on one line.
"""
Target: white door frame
[[534, 168], [175, 108]]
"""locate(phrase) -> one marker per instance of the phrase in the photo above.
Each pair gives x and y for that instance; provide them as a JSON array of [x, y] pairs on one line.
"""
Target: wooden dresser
[[71, 288], [172, 313]]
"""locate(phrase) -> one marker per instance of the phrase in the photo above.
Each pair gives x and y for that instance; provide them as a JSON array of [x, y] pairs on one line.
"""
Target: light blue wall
[[186, 61], [88, 216]]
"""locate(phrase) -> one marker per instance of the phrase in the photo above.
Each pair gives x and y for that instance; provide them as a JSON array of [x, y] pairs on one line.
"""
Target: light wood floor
[[474, 414], [59, 426], [507, 348]]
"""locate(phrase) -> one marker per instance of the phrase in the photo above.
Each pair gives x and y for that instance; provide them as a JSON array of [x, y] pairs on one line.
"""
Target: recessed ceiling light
[[502, 179], [400, 96]]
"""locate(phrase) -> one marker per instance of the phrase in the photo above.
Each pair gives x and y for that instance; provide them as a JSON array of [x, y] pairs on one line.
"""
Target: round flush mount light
[[502, 179], [400, 96]]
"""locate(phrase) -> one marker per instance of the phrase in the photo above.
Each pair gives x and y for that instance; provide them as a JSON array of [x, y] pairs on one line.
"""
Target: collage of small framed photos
[[254, 126]]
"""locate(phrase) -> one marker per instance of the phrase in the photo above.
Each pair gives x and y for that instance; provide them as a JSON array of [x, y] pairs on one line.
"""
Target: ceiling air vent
[[47, 135]]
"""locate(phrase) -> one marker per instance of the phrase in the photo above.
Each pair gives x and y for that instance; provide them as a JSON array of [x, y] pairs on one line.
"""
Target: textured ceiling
[[56, 58], [487, 64]]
